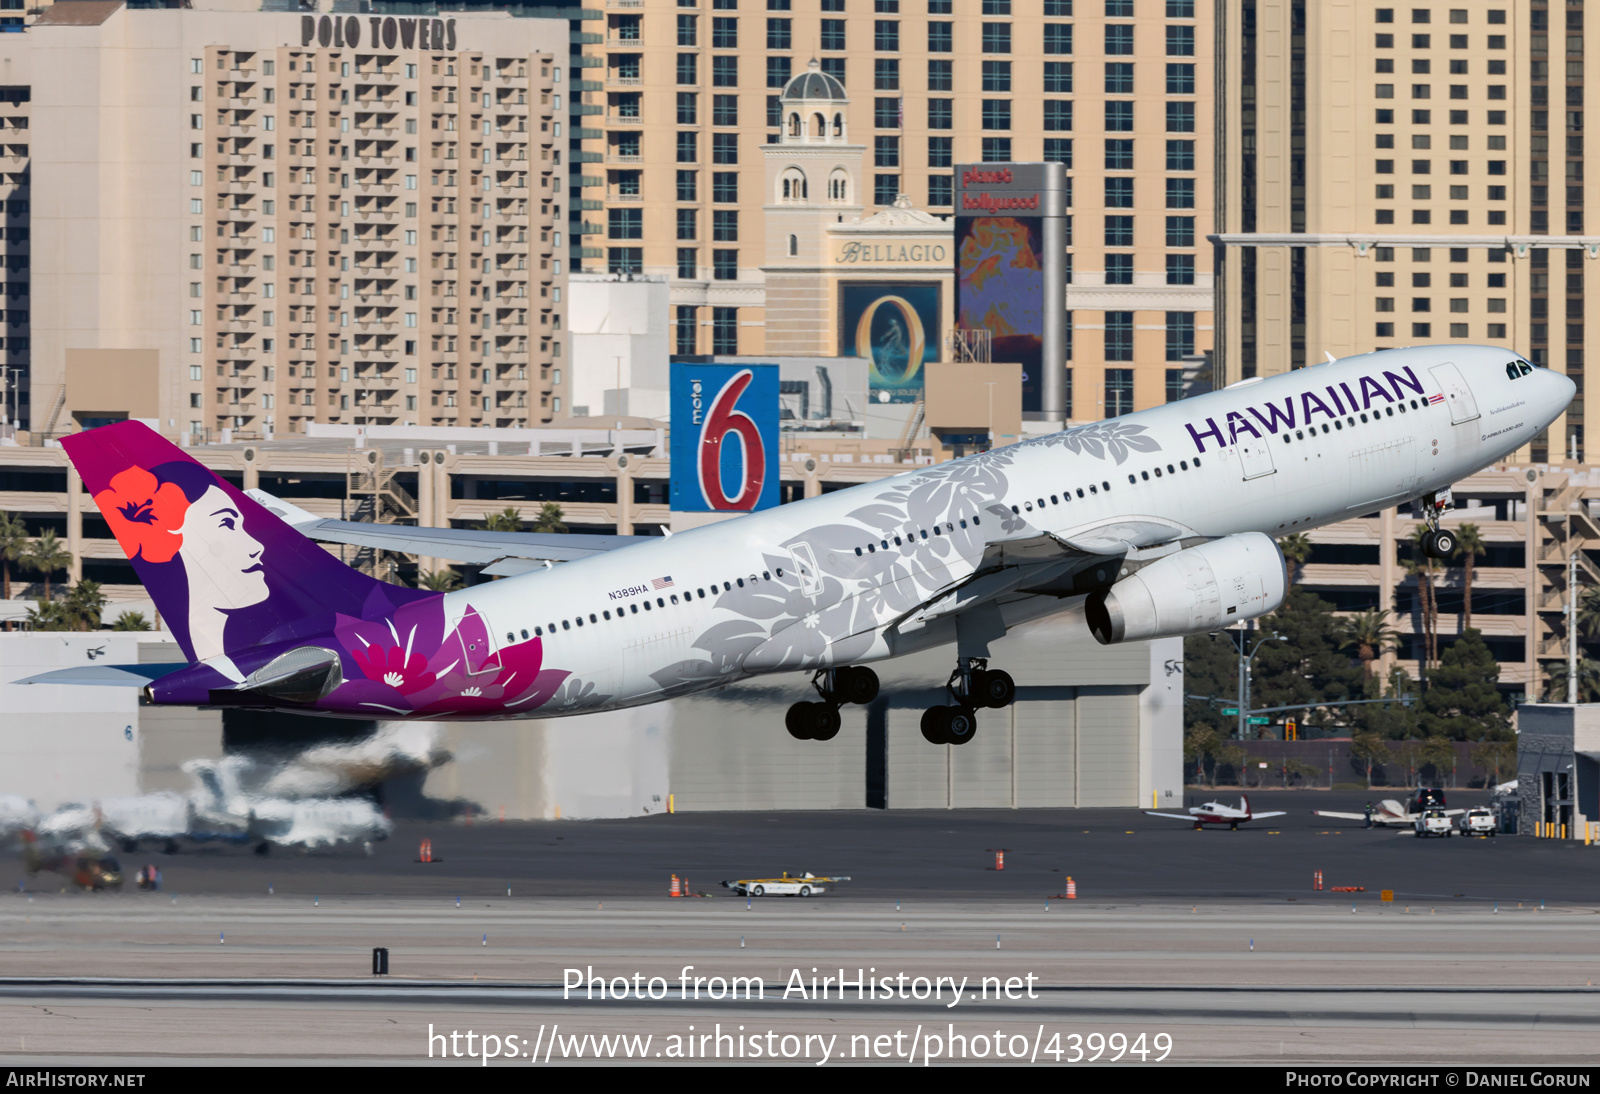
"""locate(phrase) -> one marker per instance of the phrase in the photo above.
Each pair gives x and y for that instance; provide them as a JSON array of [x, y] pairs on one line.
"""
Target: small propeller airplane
[[1217, 813]]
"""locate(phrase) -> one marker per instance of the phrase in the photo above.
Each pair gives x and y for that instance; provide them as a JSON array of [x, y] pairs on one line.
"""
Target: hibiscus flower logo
[[402, 669], [145, 515]]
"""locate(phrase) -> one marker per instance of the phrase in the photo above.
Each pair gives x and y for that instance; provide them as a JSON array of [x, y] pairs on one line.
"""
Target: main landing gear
[[820, 721], [971, 685], [1437, 542]]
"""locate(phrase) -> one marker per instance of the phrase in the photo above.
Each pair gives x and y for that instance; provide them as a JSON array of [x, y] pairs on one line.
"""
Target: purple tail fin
[[225, 573]]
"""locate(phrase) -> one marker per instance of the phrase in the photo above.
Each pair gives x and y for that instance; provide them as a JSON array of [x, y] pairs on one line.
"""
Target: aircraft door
[[1255, 457], [805, 567], [1463, 407]]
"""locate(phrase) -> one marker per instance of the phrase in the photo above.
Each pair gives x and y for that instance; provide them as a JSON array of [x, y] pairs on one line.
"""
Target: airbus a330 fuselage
[[1155, 523]]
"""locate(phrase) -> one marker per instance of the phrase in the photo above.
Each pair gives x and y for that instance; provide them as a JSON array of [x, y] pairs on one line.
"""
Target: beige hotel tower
[[246, 221]]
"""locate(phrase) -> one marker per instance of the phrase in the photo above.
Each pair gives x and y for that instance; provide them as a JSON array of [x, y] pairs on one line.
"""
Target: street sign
[[1387, 896], [1259, 721], [1230, 712]]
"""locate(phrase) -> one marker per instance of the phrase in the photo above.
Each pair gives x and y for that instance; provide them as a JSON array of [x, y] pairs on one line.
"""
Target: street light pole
[[1245, 661]]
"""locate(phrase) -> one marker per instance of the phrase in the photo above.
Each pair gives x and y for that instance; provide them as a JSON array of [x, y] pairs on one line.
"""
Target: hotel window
[[1180, 269], [688, 108], [1058, 37], [1119, 40], [1180, 79], [687, 189], [997, 113], [1119, 116], [833, 34], [688, 148], [779, 34], [724, 148], [1119, 269], [725, 225], [1119, 78], [1058, 77], [1180, 231], [886, 151], [725, 330], [1059, 150], [940, 76], [997, 37], [724, 110], [1119, 154], [1180, 117], [724, 33], [1180, 155], [1119, 193], [1180, 335], [725, 186], [885, 188], [725, 265], [724, 72], [940, 37], [688, 266], [941, 189], [778, 71], [940, 114], [1057, 115], [1180, 193], [687, 322], [1119, 381], [1119, 231], [1180, 41], [997, 75], [886, 113], [688, 224], [886, 74], [996, 149], [687, 25], [621, 260], [886, 35], [688, 68], [941, 151]]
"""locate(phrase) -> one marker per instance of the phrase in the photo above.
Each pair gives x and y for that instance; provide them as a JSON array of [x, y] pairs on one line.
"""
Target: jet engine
[[1195, 590]]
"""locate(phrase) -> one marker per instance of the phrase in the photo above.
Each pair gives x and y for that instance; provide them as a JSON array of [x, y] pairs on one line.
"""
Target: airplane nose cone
[[1562, 390]]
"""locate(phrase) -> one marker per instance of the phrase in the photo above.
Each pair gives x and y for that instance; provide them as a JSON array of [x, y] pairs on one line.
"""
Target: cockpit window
[[1514, 369]]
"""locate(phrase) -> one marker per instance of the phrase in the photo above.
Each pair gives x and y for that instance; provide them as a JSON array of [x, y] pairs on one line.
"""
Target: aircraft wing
[[1264, 816], [1174, 816], [114, 676], [1047, 564], [505, 553], [1338, 816]]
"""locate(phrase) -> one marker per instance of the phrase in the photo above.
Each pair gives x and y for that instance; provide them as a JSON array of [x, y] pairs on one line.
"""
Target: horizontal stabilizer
[[473, 546], [109, 676]]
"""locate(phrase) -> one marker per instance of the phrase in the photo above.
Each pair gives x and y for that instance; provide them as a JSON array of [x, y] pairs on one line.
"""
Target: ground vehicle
[[1477, 821], [1434, 822], [807, 884]]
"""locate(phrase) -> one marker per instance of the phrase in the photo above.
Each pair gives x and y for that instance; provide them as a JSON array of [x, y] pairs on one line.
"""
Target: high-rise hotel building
[[1118, 90], [252, 220], [1390, 176]]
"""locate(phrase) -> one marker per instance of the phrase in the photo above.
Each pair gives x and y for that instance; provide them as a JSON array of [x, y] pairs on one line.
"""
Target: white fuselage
[[1215, 465]]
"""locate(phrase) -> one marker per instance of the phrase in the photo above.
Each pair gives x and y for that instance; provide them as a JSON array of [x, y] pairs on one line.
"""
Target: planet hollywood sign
[[1014, 196], [384, 32]]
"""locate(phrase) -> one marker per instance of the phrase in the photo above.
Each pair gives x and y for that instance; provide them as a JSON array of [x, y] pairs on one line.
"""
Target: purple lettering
[[1371, 387], [1236, 422], [1199, 438], [1344, 387], [1409, 381], [1335, 396], [1274, 415], [1308, 402]]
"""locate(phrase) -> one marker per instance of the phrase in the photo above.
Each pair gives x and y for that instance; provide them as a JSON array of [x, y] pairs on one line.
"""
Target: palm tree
[[549, 518], [46, 555], [1296, 550], [1555, 687], [85, 602], [1421, 565], [508, 519], [440, 581], [1469, 545], [1369, 632], [13, 540], [1589, 612], [131, 621]]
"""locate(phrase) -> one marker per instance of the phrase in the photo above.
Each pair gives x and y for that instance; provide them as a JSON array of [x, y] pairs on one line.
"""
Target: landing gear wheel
[[935, 725], [961, 725], [1234, 827], [993, 688], [795, 721], [812, 721], [1443, 545], [855, 685], [1197, 827], [825, 722]]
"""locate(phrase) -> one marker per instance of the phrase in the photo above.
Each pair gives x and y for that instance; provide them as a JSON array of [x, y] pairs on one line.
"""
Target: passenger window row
[[912, 537], [1183, 465], [670, 600], [1338, 424]]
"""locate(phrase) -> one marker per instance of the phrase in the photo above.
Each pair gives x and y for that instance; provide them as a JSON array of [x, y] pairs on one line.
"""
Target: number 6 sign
[[724, 437]]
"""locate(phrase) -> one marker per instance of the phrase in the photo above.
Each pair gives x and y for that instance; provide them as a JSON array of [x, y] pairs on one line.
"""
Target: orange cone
[[1072, 889], [676, 890], [1316, 880]]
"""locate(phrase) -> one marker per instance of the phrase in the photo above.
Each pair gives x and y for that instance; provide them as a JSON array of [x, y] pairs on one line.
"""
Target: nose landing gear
[[1437, 542]]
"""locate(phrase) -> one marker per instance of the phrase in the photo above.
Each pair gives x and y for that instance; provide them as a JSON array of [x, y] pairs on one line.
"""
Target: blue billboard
[[724, 437]]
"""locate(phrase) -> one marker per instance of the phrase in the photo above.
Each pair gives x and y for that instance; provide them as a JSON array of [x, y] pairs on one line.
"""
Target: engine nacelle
[[1195, 590]]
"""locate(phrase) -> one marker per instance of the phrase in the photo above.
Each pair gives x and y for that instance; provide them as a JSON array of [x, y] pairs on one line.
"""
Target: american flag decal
[[1435, 399], [661, 582]]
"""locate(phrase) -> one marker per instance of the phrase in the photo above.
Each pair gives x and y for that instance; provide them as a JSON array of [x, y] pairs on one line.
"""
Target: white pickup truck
[[1477, 821], [1434, 822]]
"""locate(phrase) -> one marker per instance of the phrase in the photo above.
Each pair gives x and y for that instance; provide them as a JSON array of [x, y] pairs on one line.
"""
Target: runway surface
[[1488, 954], [258, 977], [944, 854]]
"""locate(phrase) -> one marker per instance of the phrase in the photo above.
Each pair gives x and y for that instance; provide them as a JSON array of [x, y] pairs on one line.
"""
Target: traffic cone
[[999, 860], [1316, 881], [677, 889], [1072, 889]]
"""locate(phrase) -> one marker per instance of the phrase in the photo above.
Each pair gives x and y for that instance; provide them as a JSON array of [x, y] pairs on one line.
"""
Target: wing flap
[[114, 676], [473, 546]]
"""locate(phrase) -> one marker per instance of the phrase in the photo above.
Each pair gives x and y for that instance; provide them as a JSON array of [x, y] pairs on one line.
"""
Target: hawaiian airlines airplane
[[1153, 524]]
